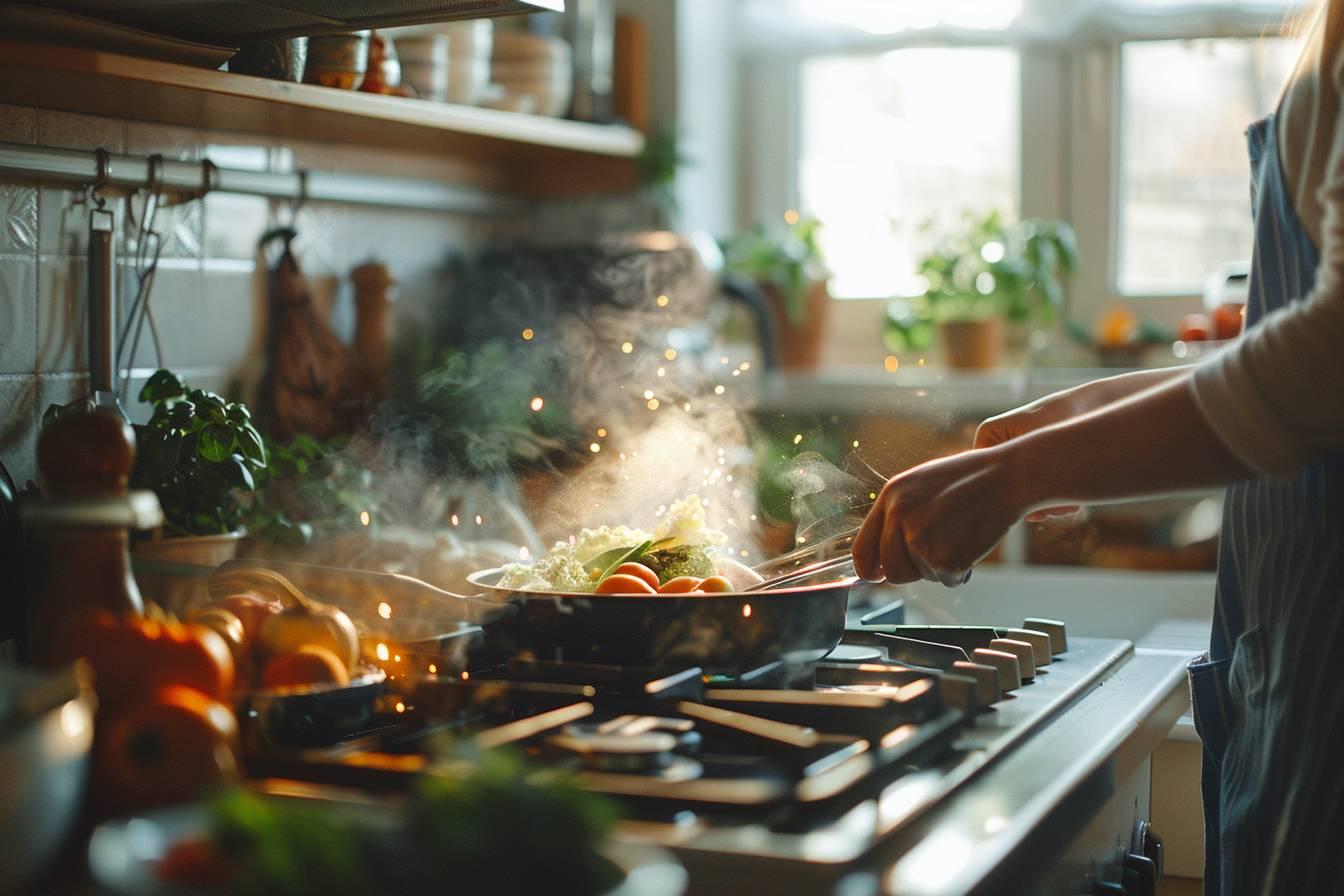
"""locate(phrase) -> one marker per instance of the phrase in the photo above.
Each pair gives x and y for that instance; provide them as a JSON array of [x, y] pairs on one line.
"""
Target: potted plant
[[787, 264], [990, 272], [200, 454]]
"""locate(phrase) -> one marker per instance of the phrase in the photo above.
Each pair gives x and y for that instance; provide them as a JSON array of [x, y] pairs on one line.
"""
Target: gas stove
[[815, 776]]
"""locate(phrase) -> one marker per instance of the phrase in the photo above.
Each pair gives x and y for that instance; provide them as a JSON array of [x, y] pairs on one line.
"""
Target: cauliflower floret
[[559, 570], [592, 542], [685, 522]]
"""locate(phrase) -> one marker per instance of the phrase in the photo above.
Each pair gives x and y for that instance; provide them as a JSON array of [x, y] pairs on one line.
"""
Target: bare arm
[[1151, 442], [1069, 403]]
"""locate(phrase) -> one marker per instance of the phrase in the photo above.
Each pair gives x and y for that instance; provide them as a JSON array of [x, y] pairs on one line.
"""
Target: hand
[[939, 519]]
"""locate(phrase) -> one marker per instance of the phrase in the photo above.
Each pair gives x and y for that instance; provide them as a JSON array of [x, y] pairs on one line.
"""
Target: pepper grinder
[[85, 459], [373, 305]]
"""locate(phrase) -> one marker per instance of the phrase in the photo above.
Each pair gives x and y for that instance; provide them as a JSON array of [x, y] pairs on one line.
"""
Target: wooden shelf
[[527, 154]]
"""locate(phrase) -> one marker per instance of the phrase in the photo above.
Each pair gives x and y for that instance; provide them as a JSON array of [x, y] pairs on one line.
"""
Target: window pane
[[890, 140], [1184, 188]]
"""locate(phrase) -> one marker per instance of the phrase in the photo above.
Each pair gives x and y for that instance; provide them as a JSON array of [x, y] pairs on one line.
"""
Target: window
[[1184, 179], [888, 141]]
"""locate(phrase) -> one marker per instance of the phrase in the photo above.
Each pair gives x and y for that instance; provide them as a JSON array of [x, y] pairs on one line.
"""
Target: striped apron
[[1269, 695]]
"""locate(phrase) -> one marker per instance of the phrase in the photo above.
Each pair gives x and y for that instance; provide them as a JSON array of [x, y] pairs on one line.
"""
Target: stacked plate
[[535, 73], [447, 61]]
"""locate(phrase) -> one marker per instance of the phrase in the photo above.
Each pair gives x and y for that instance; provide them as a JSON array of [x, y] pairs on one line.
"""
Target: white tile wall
[[209, 294]]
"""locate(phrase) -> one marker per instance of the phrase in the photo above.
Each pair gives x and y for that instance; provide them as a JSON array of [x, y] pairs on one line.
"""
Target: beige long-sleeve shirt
[[1276, 398]]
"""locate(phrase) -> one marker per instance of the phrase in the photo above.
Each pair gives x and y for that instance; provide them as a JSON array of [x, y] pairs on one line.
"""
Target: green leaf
[[217, 442], [630, 555], [249, 441], [238, 473], [163, 385]]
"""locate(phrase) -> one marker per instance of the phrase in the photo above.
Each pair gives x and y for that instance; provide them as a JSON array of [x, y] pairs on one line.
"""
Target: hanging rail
[[70, 166]]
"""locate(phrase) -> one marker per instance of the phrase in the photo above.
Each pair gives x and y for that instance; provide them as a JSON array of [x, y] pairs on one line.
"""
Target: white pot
[[177, 592]]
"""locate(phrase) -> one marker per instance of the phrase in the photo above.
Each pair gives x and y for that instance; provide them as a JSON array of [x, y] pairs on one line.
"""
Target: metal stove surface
[[903, 793]]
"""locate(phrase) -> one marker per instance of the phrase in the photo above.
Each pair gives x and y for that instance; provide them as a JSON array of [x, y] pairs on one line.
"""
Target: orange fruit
[[623, 584], [680, 585], [639, 571], [1117, 327], [309, 664], [716, 584]]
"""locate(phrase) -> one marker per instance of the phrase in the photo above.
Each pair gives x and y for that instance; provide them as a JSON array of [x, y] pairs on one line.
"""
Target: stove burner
[[855, 653], [617, 752]]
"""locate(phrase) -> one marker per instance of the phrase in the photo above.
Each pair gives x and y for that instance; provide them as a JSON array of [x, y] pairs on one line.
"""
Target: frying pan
[[731, 632], [797, 616]]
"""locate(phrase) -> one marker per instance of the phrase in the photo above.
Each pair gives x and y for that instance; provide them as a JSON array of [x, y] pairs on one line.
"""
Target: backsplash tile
[[18, 219], [62, 315], [18, 427], [18, 314]]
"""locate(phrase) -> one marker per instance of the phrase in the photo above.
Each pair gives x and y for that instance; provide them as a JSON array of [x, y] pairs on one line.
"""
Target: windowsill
[[914, 389]]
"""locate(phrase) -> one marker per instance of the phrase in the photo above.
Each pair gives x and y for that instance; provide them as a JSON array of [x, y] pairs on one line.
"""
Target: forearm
[[1099, 393], [1150, 442]]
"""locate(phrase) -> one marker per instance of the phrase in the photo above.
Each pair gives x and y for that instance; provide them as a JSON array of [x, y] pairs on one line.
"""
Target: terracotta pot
[[799, 345], [182, 594], [972, 344]]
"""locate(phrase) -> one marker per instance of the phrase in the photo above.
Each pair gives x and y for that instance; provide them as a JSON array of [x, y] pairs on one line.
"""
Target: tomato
[[624, 584], [1228, 320], [1195, 328], [230, 628], [169, 749], [680, 585], [716, 584], [639, 571], [133, 655], [252, 610], [310, 664]]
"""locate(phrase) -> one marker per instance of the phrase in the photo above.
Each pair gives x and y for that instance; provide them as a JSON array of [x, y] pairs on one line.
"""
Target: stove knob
[[1010, 674], [959, 691], [1039, 641], [1026, 657], [986, 681], [1059, 641]]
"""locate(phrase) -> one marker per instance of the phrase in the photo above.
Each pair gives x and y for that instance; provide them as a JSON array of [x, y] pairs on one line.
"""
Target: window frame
[[1070, 110]]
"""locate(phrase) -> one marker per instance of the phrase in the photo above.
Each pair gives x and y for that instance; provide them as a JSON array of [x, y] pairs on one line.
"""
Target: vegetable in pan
[[682, 549]]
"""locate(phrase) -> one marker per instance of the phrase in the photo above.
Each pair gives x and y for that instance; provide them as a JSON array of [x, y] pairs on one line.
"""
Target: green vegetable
[[630, 555], [503, 828], [682, 560]]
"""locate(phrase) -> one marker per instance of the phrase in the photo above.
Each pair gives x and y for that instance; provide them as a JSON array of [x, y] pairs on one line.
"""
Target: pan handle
[[404, 594]]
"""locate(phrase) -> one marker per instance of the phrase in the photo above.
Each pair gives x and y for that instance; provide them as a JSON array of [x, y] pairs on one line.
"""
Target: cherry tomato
[[680, 585], [639, 571], [1195, 328], [1228, 320], [716, 584], [623, 584]]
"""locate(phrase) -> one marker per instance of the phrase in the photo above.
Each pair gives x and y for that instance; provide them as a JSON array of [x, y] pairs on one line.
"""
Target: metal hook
[[209, 176], [102, 173], [302, 199]]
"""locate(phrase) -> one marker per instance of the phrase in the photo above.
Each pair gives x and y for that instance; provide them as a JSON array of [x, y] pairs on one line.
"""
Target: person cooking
[[1266, 417]]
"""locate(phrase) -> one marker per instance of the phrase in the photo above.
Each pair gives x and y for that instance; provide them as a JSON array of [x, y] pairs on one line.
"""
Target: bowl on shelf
[[533, 71], [424, 64], [337, 60]]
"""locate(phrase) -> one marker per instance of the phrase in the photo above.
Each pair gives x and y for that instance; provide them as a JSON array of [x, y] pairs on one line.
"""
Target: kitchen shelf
[[527, 155]]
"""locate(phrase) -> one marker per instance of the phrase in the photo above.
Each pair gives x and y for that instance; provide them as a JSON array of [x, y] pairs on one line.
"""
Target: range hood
[[237, 21]]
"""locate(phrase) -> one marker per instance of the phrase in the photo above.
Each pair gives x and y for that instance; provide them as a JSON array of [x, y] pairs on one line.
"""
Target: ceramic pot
[[180, 594], [972, 344], [800, 343]]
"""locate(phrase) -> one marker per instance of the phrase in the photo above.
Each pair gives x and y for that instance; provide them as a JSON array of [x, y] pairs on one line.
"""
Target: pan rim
[[478, 578]]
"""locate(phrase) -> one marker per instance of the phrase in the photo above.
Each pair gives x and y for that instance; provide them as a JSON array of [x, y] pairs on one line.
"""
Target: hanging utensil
[[102, 297]]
